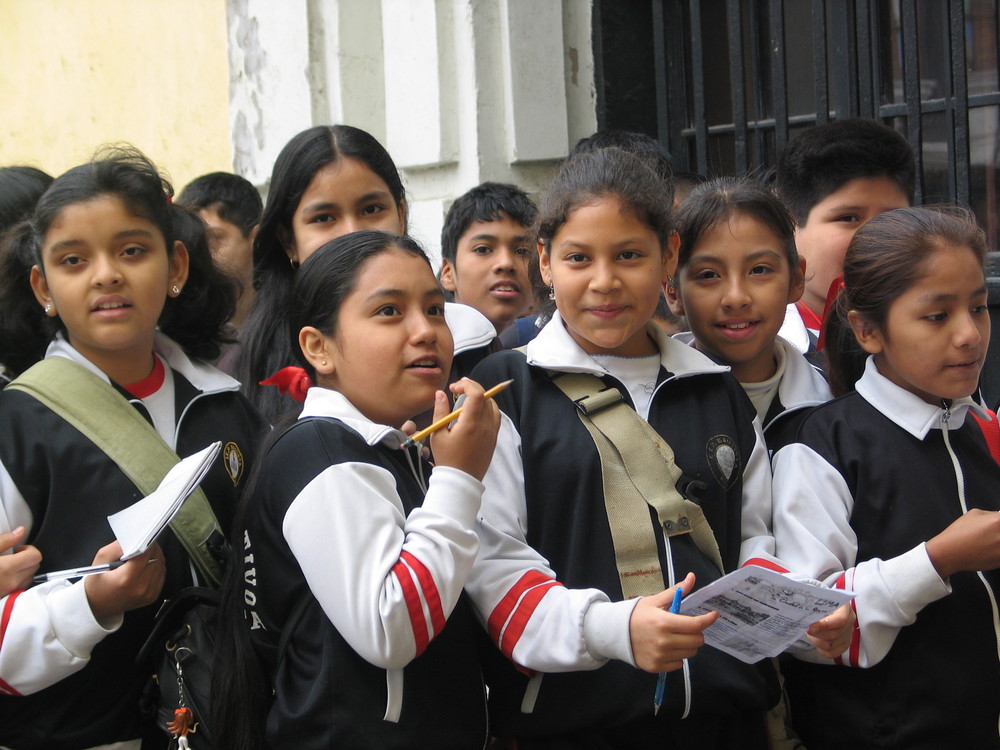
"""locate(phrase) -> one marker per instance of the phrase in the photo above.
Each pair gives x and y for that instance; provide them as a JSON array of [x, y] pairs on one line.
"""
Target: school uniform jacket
[[544, 489], [385, 656], [67, 680], [869, 479], [801, 387]]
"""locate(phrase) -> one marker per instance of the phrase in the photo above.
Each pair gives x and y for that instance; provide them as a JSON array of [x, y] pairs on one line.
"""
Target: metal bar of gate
[[779, 80], [737, 84], [698, 83], [821, 85], [911, 92], [959, 120]]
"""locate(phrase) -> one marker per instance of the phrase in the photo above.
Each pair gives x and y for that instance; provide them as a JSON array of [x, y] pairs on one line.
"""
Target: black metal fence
[[725, 83]]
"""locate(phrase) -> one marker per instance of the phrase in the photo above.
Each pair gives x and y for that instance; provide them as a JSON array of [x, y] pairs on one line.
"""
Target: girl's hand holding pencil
[[469, 444]]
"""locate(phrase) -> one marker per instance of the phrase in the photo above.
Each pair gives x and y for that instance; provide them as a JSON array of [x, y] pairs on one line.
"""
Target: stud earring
[[175, 290], [294, 264], [323, 363], [48, 308]]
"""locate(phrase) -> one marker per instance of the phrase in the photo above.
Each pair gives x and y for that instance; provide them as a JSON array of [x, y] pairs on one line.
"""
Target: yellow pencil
[[451, 417]]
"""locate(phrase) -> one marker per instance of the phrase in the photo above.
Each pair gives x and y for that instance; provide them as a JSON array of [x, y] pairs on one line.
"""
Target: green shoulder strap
[[638, 470], [104, 416]]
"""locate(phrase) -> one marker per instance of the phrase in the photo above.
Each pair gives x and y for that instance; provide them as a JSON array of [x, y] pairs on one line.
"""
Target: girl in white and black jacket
[[107, 269], [343, 517], [891, 492], [605, 249]]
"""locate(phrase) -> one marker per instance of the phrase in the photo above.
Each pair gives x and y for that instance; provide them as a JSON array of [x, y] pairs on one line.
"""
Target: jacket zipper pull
[[947, 412]]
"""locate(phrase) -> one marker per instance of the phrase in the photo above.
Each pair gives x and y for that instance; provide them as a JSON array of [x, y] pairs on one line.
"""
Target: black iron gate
[[725, 83]]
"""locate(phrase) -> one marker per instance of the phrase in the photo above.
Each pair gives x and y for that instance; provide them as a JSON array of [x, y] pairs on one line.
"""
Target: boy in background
[[231, 208], [834, 178], [485, 249]]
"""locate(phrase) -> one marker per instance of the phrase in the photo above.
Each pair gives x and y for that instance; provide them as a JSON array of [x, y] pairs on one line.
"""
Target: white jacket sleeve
[[46, 632], [534, 620], [813, 536], [387, 581]]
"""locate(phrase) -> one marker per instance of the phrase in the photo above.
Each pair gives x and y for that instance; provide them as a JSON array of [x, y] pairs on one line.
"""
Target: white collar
[[554, 349], [201, 375], [908, 410], [469, 328], [801, 383], [323, 402], [794, 330]]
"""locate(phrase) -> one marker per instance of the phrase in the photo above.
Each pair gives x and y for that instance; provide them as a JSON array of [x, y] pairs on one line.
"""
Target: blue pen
[[661, 681]]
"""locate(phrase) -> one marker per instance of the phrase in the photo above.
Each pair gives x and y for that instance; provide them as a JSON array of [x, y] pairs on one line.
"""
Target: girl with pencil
[[344, 519], [605, 249]]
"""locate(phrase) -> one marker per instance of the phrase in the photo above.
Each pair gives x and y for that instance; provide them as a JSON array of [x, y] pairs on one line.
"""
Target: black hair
[[824, 158], [685, 183], [605, 173], [20, 189], [486, 202], [195, 319], [885, 258], [717, 200], [590, 176], [240, 688], [234, 198], [648, 149], [265, 349], [328, 275]]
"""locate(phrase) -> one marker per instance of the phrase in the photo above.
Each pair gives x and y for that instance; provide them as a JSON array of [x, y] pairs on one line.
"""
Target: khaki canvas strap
[[638, 470], [105, 417]]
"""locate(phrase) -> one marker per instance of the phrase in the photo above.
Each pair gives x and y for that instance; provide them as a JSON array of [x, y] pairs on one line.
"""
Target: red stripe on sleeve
[[854, 651], [412, 598], [4, 621], [525, 609], [761, 562], [431, 594], [503, 610]]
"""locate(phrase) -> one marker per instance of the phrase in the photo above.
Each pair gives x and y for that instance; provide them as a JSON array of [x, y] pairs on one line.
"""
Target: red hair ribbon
[[291, 380], [836, 287]]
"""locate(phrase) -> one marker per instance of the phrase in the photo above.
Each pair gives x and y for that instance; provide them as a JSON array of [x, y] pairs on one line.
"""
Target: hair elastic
[[836, 287], [291, 380]]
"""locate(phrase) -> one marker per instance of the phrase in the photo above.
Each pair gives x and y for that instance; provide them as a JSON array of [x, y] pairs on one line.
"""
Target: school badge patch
[[724, 458], [232, 459]]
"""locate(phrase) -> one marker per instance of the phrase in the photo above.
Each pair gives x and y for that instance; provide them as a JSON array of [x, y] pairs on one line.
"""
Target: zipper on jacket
[[959, 477]]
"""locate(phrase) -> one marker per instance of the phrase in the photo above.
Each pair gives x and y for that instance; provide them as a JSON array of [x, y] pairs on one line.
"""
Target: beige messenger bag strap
[[108, 420], [638, 470]]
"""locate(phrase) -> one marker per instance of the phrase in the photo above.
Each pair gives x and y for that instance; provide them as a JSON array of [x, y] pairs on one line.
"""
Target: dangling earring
[[552, 291]]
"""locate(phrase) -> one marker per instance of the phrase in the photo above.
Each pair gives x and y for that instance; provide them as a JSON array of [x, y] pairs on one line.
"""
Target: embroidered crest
[[232, 459], [724, 458]]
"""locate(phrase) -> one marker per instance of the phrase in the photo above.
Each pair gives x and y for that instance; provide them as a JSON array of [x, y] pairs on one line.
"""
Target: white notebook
[[138, 526]]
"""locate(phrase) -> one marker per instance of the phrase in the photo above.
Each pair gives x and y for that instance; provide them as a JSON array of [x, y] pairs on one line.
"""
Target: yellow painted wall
[[78, 73]]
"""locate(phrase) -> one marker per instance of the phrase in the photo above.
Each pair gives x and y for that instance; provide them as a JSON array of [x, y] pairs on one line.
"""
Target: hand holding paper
[[762, 613], [140, 524]]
